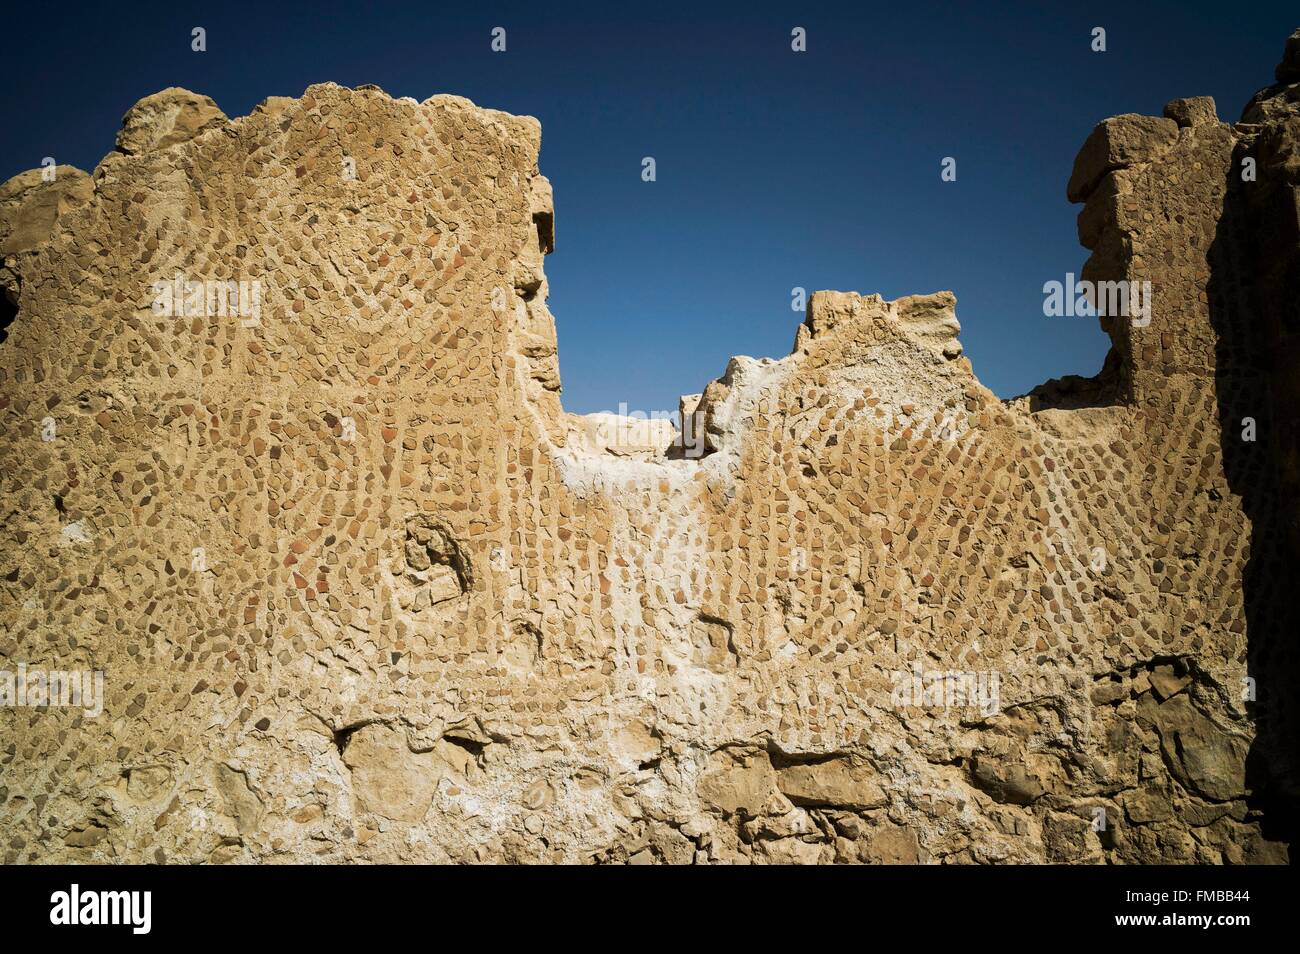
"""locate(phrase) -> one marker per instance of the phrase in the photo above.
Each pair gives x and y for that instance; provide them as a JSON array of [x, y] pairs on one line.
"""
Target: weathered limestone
[[32, 204], [1117, 143], [165, 119], [362, 590], [1192, 111]]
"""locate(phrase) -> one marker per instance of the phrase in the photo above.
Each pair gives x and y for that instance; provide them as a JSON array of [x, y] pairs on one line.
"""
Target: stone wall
[[362, 590]]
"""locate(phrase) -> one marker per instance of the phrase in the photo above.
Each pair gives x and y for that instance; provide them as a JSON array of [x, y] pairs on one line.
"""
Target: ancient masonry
[[284, 457]]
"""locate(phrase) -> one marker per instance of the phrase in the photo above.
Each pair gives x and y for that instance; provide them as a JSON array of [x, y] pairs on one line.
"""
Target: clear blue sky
[[775, 169]]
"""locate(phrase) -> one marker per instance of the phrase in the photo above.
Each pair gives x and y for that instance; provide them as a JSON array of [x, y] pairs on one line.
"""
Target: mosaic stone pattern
[[361, 589]]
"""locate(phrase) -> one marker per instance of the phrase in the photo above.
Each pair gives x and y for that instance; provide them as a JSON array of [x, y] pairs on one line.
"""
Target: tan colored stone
[[835, 782], [364, 591], [165, 119], [391, 780], [741, 783], [1117, 143]]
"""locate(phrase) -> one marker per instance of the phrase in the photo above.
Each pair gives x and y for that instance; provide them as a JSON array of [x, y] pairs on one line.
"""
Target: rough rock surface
[[362, 590]]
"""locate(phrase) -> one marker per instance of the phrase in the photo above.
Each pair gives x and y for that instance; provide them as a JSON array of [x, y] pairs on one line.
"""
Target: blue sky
[[774, 169]]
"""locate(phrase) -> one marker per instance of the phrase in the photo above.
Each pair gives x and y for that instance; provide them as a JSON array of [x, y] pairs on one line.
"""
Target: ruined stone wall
[[362, 590]]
